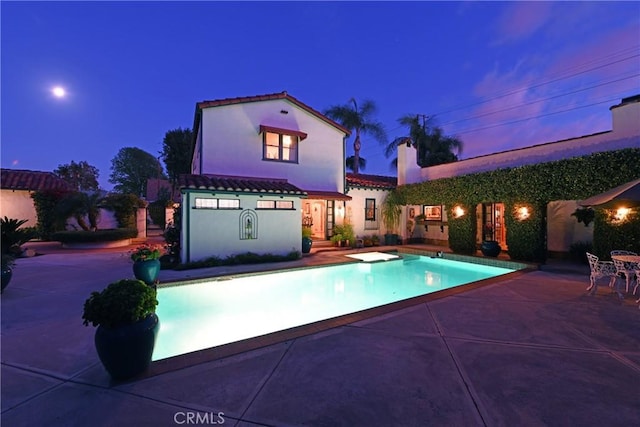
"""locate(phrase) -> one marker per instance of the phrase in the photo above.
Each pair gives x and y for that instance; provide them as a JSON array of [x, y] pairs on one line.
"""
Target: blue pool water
[[200, 315]]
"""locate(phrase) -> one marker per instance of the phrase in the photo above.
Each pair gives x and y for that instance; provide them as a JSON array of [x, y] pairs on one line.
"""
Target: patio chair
[[600, 269]]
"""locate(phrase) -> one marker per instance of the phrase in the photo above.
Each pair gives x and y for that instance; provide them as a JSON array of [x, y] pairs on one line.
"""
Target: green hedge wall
[[533, 185], [462, 231], [608, 235]]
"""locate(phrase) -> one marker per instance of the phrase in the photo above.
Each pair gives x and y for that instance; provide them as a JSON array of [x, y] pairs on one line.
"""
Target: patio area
[[530, 350]]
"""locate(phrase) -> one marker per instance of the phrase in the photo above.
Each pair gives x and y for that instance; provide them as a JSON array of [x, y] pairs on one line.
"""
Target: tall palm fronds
[[362, 163], [360, 120], [432, 146]]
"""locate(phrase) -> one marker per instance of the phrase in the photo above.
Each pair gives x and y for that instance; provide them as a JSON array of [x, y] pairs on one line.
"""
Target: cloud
[[521, 20]]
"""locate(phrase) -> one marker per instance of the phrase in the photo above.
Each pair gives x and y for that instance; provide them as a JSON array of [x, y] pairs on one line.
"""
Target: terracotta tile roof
[[327, 195], [239, 184], [16, 179], [371, 181], [269, 97]]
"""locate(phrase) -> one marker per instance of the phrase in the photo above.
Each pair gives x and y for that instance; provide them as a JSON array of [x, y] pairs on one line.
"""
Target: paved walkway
[[531, 350]]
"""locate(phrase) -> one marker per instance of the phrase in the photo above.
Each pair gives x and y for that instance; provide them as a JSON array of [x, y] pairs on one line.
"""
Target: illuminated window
[[280, 147], [370, 210], [201, 203], [275, 204]]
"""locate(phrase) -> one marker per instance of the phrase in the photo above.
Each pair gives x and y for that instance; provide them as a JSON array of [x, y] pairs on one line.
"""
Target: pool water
[[200, 315]]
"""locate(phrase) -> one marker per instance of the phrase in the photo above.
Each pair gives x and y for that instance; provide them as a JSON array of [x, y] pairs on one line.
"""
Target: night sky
[[498, 75]]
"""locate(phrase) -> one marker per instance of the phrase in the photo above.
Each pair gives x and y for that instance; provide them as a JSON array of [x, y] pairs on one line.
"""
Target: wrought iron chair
[[600, 269], [626, 269]]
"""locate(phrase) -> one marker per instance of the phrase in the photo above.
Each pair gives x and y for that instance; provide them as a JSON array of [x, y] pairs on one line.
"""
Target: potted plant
[[306, 239], [337, 239], [7, 269], [490, 248], [391, 211], [124, 313], [146, 263]]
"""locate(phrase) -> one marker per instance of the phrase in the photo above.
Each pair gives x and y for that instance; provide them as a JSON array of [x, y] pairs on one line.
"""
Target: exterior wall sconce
[[522, 213], [621, 214], [458, 211]]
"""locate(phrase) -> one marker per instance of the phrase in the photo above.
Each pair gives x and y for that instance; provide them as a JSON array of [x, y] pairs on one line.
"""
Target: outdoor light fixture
[[458, 211], [621, 214], [522, 213]]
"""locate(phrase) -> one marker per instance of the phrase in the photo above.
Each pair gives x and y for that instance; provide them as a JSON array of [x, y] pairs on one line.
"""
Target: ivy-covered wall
[[532, 185], [609, 234]]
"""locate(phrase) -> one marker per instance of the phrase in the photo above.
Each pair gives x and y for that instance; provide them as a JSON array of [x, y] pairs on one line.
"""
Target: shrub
[[13, 236], [45, 203], [157, 212], [124, 207], [119, 304], [82, 236], [578, 251], [244, 258]]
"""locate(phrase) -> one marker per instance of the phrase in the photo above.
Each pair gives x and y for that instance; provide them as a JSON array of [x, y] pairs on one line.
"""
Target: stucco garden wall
[[217, 232]]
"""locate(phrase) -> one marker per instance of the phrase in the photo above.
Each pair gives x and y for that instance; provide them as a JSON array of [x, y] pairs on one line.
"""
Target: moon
[[58, 92]]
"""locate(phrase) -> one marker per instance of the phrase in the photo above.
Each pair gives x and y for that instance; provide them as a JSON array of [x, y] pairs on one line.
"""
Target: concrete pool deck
[[529, 350]]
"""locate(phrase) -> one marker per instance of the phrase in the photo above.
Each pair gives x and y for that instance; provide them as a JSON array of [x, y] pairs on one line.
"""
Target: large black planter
[[126, 351], [306, 245], [147, 271], [6, 277], [490, 248]]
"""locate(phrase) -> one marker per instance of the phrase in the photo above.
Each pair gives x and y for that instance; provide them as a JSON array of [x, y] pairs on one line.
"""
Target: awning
[[281, 131], [327, 195], [625, 195]]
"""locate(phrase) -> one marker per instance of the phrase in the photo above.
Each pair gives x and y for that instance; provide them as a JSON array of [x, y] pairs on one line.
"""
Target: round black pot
[[6, 278], [147, 271], [490, 248], [126, 351], [306, 245]]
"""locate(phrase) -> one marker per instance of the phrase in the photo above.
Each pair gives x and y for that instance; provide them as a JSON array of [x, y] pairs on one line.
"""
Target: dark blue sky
[[133, 71]]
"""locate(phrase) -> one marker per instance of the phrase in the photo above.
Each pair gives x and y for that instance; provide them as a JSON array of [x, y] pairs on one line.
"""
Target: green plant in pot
[[146, 263], [306, 239], [124, 313], [391, 211]]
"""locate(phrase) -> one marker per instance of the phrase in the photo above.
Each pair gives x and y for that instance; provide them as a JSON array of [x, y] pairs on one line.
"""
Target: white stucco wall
[[355, 210], [563, 229], [232, 145], [106, 220], [216, 232], [18, 204]]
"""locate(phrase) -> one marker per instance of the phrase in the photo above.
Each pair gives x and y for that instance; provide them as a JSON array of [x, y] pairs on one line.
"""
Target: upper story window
[[280, 147], [280, 144]]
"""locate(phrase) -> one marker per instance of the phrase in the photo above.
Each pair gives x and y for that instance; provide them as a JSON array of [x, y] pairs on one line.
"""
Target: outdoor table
[[631, 263]]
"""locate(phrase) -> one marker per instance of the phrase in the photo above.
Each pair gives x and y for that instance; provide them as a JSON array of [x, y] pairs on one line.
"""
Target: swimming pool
[[205, 314]]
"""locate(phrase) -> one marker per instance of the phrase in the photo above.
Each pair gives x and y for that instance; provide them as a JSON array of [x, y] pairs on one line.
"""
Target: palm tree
[[362, 163], [360, 121], [432, 146]]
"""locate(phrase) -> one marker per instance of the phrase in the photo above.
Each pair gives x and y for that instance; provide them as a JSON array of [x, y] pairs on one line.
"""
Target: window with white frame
[[275, 204], [280, 147], [203, 203]]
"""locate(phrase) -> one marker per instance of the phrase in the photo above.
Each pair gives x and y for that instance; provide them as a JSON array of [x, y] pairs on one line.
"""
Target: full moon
[[58, 92]]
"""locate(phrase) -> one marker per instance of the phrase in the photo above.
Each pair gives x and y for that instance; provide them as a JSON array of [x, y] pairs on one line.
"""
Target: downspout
[[186, 219], [201, 140]]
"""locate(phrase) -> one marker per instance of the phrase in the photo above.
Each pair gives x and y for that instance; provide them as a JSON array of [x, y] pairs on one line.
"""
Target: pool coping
[[211, 354]]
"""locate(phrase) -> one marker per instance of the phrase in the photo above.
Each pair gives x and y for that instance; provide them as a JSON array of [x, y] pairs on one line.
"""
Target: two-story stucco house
[[262, 167]]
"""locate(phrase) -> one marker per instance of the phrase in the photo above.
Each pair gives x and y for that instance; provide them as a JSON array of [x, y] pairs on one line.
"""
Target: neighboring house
[[262, 167], [562, 230], [17, 187], [367, 193]]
